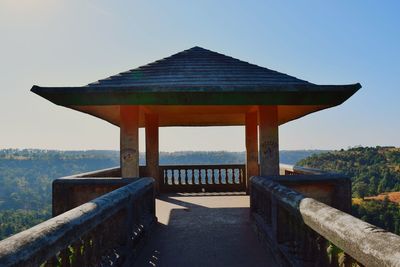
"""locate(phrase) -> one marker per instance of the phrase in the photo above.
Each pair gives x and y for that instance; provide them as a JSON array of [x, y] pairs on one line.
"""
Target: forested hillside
[[373, 170], [26, 176], [25, 182]]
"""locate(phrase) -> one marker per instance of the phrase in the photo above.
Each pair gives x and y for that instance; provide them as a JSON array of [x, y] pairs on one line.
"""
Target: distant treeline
[[373, 170], [26, 176]]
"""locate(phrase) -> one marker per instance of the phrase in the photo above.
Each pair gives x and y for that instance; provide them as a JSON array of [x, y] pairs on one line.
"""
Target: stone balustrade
[[106, 231], [301, 216], [202, 178], [302, 231]]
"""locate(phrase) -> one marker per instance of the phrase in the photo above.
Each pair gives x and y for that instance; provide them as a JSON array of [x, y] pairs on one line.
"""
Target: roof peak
[[198, 66], [198, 47]]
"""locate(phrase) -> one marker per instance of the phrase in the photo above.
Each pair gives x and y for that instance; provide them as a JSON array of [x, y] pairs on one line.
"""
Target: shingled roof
[[199, 69], [203, 83]]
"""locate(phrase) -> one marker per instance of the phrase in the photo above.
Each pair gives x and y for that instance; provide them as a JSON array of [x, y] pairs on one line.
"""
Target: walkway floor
[[203, 230]]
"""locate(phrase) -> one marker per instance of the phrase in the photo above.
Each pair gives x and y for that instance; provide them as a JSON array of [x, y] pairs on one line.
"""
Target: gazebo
[[199, 87]]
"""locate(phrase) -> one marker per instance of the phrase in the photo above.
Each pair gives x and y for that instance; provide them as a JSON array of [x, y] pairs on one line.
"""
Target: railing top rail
[[47, 238], [210, 166], [302, 170], [304, 178], [97, 173], [366, 243]]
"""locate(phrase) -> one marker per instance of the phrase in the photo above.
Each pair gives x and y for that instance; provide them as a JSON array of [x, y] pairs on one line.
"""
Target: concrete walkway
[[203, 230]]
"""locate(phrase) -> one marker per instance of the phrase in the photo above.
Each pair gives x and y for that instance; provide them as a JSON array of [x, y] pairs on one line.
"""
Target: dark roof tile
[[199, 67]]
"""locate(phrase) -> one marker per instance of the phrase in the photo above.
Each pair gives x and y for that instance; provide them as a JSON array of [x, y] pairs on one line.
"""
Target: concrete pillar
[[251, 147], [129, 141], [152, 147], [269, 140]]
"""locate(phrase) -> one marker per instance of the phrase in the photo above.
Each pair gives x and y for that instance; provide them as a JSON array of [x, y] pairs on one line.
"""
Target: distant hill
[[373, 170], [26, 176], [224, 157]]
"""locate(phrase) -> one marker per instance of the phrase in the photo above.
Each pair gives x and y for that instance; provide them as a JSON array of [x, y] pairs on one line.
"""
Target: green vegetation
[[26, 177], [384, 214], [14, 221], [25, 182], [373, 170]]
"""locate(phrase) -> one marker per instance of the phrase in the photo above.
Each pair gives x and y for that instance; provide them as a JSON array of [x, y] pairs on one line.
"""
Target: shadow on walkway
[[203, 230]]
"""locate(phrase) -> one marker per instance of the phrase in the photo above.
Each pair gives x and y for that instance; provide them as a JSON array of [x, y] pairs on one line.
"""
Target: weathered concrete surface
[[204, 230], [35, 245], [368, 244]]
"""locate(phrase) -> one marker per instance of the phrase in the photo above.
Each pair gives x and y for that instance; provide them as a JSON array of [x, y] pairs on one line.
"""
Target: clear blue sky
[[67, 43]]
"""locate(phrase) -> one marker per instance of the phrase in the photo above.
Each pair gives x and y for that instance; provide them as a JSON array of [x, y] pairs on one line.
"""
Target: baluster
[[323, 259], [203, 182], [200, 177], [64, 255], [196, 177], [345, 260], [333, 255], [52, 262], [297, 238], [187, 171], [237, 176], [172, 177], [241, 175], [182, 179], [87, 250], [198, 171], [78, 259], [208, 176], [291, 235], [179, 176], [96, 246], [222, 175], [303, 243], [176, 179], [170, 180], [309, 246]]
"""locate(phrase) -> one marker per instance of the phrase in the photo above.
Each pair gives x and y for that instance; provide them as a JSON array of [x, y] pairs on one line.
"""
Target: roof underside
[[202, 78]]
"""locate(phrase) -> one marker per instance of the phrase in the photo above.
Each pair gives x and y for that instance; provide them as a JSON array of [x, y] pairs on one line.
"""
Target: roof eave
[[199, 95]]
